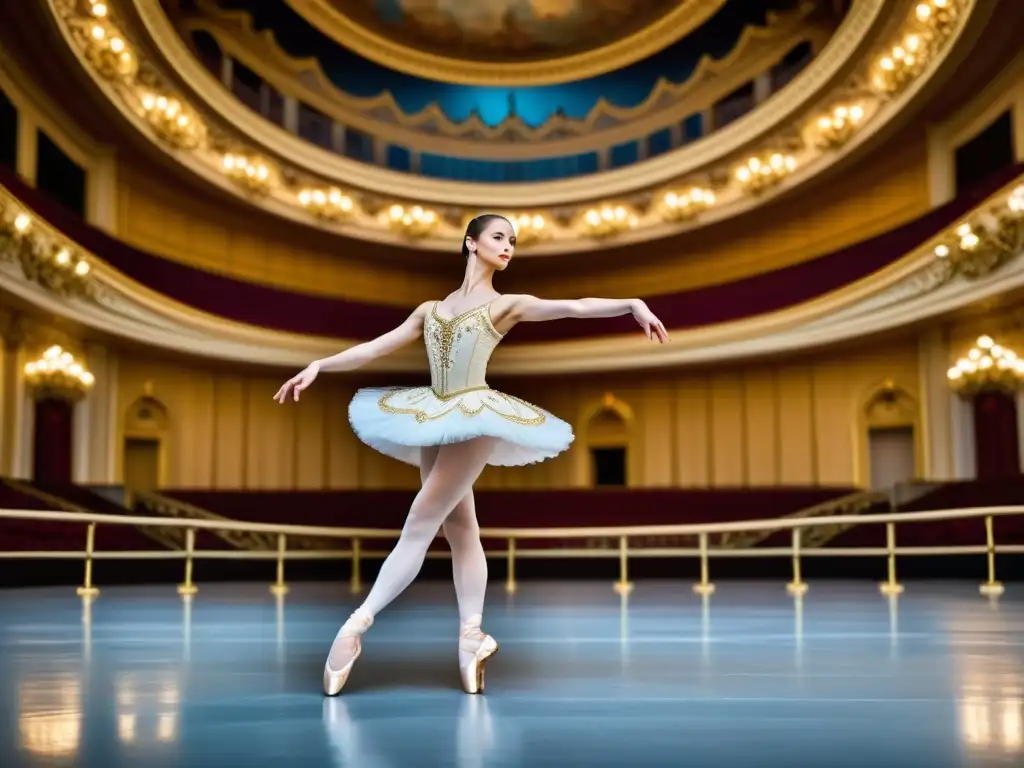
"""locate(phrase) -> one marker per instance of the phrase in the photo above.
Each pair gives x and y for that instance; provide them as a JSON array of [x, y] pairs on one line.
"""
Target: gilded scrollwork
[[283, 182]]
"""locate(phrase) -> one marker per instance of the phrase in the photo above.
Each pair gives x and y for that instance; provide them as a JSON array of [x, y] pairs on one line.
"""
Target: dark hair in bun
[[476, 227]]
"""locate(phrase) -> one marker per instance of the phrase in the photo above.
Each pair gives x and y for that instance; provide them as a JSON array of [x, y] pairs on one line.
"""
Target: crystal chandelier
[[987, 367], [57, 373]]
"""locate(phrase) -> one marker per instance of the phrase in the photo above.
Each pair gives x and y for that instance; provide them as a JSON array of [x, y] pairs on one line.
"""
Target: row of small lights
[[967, 237], [177, 124], [63, 257]]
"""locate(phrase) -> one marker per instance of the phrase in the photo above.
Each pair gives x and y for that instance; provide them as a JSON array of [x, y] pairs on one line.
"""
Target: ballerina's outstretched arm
[[525, 308], [357, 356]]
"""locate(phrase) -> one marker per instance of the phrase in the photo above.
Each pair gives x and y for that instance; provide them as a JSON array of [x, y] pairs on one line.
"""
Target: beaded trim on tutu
[[399, 421]]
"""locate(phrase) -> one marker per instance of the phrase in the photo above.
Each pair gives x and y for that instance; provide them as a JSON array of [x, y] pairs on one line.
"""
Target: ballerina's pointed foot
[[347, 646], [475, 649]]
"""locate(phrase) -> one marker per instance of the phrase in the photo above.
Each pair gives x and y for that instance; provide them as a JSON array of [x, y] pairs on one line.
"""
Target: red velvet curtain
[[53, 428], [996, 447]]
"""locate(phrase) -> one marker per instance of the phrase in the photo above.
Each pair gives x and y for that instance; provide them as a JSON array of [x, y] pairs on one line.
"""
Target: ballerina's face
[[495, 245]]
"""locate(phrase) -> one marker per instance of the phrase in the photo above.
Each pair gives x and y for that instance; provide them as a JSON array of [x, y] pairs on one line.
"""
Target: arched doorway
[[606, 435], [144, 448], [890, 434]]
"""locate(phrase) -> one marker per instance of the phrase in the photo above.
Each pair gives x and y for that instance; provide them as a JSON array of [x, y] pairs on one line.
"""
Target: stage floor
[[751, 677]]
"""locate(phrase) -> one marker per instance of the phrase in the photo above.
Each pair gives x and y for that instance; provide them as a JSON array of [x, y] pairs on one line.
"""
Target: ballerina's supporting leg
[[469, 569], [469, 563], [455, 469]]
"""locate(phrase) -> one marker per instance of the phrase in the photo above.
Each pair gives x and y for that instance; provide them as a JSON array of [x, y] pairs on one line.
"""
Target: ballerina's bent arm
[[357, 356], [525, 308]]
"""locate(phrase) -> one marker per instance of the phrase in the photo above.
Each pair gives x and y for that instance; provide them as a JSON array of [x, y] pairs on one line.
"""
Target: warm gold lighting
[[414, 221], [928, 30], [987, 366], [762, 172], [529, 227], [172, 120], [837, 127], [682, 205], [58, 373], [252, 173], [608, 220], [43, 258], [107, 49], [327, 203], [992, 238]]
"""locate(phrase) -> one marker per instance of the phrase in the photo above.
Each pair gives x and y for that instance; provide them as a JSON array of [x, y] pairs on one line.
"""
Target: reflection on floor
[[751, 676]]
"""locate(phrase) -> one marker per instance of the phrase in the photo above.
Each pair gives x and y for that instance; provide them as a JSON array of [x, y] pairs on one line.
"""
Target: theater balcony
[[643, 123]]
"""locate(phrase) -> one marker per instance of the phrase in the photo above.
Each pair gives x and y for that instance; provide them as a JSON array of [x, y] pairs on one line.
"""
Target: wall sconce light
[[761, 172], [529, 227], [327, 203], [836, 128], [252, 173], [608, 220], [415, 221], [58, 374], [107, 49], [43, 259], [978, 247], [680, 206], [988, 366], [172, 121]]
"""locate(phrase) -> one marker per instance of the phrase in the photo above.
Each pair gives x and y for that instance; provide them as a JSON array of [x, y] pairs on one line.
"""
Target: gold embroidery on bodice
[[458, 350]]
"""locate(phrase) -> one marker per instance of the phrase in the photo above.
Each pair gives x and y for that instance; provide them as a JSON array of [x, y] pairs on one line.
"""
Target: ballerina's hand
[[653, 327], [298, 382]]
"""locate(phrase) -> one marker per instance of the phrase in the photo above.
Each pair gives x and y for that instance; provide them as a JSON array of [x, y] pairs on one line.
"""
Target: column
[[28, 147], [936, 405], [13, 397], [96, 424], [227, 72], [291, 114], [762, 87], [962, 420]]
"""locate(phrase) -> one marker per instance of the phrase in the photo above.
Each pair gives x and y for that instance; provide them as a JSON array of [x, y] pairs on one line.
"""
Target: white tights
[[444, 501]]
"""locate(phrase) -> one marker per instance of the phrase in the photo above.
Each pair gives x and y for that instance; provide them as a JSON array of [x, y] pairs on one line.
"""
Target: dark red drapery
[[52, 443], [996, 447]]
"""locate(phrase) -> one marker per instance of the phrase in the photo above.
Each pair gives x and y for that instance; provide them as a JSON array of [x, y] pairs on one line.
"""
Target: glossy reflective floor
[[751, 677]]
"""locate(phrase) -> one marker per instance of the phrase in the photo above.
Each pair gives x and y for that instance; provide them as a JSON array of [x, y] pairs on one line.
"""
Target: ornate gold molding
[[304, 167], [673, 26], [431, 130], [913, 289]]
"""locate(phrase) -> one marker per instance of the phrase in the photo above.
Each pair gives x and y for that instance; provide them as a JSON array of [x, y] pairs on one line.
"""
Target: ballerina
[[451, 430]]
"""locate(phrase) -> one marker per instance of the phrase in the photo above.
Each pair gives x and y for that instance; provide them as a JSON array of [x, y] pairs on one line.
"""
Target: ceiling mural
[[303, 36], [490, 30], [507, 42]]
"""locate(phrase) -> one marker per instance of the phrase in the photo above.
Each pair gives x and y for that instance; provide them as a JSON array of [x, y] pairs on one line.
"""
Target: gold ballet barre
[[356, 554]]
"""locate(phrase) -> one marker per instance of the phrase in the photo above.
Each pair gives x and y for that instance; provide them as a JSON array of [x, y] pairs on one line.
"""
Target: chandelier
[[58, 374], [987, 367]]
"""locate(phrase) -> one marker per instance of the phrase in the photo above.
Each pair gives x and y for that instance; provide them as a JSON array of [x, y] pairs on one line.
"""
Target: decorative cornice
[[406, 209], [924, 284], [672, 26], [431, 130]]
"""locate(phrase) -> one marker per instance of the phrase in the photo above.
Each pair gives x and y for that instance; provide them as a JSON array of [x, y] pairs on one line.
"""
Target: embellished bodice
[[459, 349]]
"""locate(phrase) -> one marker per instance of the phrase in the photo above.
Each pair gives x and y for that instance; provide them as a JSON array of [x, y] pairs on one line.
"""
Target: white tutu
[[399, 421]]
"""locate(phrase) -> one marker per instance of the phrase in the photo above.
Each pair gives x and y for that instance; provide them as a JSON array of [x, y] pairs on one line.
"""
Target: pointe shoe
[[472, 640], [334, 680]]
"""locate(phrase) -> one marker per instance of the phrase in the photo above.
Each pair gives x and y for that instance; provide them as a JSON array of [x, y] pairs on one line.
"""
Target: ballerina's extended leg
[[455, 469]]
